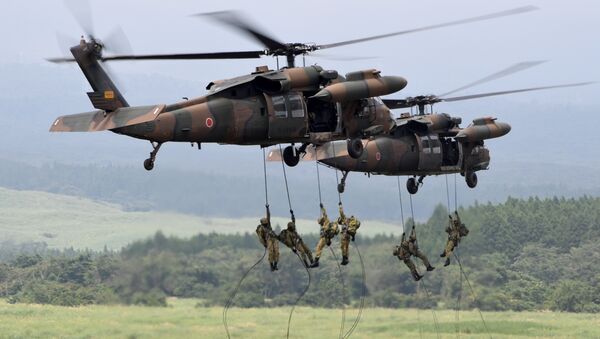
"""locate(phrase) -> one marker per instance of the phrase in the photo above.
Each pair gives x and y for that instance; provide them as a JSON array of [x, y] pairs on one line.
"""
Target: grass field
[[183, 320], [64, 221]]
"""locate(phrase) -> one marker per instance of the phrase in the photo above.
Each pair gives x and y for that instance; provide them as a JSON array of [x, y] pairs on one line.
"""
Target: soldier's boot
[[344, 261], [275, 266], [306, 263], [315, 263], [272, 267], [443, 254], [447, 262], [430, 268], [417, 276]]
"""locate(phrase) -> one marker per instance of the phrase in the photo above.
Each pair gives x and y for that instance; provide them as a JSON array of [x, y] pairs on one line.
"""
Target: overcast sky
[[563, 32]]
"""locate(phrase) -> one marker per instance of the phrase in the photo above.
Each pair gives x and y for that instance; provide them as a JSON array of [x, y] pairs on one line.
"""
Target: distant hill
[[64, 221]]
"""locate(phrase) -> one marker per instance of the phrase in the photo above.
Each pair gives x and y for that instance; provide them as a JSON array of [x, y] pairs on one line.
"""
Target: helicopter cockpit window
[[296, 106], [279, 106]]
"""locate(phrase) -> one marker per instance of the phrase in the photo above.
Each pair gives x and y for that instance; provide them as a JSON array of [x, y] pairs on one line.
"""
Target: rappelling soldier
[[413, 248], [403, 253], [328, 231], [293, 240], [269, 239], [456, 230], [349, 228]]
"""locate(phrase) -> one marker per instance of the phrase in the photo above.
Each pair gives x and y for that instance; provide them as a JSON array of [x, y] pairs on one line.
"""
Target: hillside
[[64, 221]]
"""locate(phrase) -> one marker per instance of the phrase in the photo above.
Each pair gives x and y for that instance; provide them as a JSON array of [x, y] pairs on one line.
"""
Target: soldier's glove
[[294, 250], [321, 205], [340, 203]]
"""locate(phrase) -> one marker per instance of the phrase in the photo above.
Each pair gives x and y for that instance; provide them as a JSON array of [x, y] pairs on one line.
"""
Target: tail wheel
[[148, 164], [471, 179], [291, 156], [355, 148], [412, 186]]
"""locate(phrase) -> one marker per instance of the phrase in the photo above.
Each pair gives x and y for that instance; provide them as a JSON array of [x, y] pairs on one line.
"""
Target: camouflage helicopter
[[426, 143], [292, 105]]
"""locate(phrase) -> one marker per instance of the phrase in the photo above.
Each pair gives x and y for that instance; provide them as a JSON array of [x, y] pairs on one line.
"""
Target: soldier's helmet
[[396, 250], [291, 226], [264, 221]]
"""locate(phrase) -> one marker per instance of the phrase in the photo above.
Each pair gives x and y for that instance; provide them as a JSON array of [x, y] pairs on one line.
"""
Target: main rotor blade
[[495, 15], [82, 12], [505, 72], [232, 19], [187, 56], [481, 95]]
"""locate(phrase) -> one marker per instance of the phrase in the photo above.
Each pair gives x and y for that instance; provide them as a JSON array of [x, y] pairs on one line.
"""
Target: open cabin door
[[287, 116]]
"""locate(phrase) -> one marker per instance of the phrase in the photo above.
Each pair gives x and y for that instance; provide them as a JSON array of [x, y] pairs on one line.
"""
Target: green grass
[[65, 221], [183, 320]]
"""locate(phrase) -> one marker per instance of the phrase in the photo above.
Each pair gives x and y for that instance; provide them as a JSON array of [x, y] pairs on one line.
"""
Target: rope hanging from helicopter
[[462, 272], [362, 264], [341, 335], [287, 190], [239, 284], [420, 283]]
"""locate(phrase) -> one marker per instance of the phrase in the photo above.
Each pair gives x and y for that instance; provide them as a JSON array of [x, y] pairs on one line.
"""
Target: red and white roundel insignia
[[209, 122], [378, 156]]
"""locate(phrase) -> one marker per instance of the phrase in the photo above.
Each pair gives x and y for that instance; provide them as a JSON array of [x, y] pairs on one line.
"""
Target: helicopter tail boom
[[102, 120], [105, 95]]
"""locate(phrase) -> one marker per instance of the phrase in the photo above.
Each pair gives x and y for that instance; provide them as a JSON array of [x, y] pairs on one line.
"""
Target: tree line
[[523, 254]]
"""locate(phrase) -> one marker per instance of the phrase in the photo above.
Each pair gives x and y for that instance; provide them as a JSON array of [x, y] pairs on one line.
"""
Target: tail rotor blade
[[117, 42], [82, 12]]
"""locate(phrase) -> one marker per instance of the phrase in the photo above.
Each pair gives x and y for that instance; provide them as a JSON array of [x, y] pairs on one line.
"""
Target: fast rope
[[300, 296], [337, 180], [287, 189], [235, 291], [239, 284], [318, 180], [362, 297], [435, 320], [448, 193], [341, 336], [458, 297], [472, 293]]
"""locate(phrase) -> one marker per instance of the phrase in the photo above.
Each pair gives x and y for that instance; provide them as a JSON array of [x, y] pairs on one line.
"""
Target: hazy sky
[[34, 92], [564, 32]]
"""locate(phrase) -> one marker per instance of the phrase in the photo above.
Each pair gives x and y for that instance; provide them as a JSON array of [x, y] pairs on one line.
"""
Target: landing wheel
[[355, 148], [291, 156], [412, 186], [471, 179], [148, 164]]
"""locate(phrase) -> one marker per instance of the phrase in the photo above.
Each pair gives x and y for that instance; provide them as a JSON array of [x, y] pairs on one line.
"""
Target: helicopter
[[292, 105], [426, 143]]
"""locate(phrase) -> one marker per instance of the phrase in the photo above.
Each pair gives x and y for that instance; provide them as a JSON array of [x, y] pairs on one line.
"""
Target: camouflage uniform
[[403, 253], [456, 230], [269, 240], [413, 248], [328, 231], [292, 239], [349, 228]]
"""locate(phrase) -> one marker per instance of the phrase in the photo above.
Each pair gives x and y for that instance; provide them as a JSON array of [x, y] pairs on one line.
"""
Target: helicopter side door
[[287, 116], [430, 152]]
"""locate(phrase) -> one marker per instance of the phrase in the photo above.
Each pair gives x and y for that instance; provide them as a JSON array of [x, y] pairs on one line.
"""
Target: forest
[[523, 254]]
